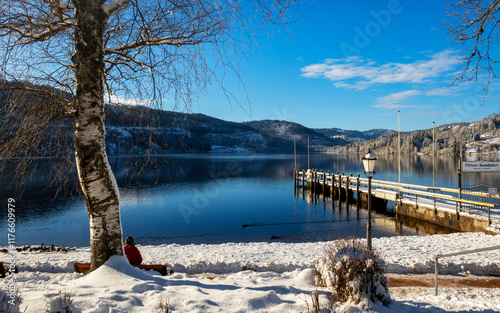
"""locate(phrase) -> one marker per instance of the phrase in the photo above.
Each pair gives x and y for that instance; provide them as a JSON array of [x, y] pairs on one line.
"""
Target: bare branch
[[474, 25], [34, 22], [115, 7], [149, 42]]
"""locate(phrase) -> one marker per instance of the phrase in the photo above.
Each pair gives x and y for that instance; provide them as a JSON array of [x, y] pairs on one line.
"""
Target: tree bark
[[94, 172]]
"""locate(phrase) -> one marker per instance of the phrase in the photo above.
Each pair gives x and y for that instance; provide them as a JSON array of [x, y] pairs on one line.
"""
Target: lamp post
[[369, 161]]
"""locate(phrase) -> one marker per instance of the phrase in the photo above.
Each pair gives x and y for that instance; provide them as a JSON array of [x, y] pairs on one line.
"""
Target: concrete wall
[[443, 218]]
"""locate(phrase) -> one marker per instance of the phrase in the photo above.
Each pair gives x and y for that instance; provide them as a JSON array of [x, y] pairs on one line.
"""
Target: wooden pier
[[437, 205]]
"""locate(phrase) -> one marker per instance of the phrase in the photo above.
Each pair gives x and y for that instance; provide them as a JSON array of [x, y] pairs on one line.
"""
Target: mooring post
[[357, 188], [318, 175], [315, 179], [303, 177], [327, 182], [341, 181], [339, 191], [332, 190], [297, 178], [311, 180], [349, 193], [303, 182], [324, 183]]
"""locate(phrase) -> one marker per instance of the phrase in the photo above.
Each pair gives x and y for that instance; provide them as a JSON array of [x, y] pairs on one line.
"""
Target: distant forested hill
[[134, 130], [482, 136]]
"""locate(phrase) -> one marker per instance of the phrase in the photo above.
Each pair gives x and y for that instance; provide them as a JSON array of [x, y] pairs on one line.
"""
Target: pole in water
[[308, 166], [460, 175], [295, 152], [433, 157], [399, 157]]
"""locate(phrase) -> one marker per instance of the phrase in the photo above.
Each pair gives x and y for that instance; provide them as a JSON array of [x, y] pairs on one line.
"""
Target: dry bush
[[353, 272], [10, 303], [60, 304], [313, 304], [163, 306]]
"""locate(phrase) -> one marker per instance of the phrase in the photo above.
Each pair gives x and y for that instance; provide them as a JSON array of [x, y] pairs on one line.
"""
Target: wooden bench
[[4, 270], [84, 268]]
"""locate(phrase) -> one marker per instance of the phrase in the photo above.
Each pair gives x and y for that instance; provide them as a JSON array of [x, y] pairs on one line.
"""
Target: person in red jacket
[[132, 253]]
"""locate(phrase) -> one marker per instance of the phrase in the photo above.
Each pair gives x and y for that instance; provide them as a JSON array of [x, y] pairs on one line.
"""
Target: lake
[[208, 198]]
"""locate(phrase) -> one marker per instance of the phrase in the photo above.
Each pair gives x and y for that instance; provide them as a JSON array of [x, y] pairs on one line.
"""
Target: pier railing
[[404, 192]]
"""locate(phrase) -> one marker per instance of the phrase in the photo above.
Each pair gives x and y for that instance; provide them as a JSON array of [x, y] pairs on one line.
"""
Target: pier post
[[324, 184], [303, 182], [313, 179], [357, 189], [341, 178], [316, 178], [349, 193], [303, 178], [332, 190], [329, 190], [339, 187]]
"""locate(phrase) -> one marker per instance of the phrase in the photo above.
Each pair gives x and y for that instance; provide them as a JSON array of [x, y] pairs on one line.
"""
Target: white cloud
[[394, 100], [126, 101], [358, 73], [448, 90]]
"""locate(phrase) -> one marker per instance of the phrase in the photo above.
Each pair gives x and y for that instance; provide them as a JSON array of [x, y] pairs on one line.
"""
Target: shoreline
[[405, 254]]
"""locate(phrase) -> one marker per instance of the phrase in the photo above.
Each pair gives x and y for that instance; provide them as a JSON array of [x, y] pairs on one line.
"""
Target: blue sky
[[353, 65]]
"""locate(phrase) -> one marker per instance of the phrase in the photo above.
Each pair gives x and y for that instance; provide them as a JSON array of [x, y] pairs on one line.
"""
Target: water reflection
[[208, 199]]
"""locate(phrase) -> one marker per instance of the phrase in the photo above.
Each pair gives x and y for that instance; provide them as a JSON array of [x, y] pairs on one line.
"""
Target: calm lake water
[[208, 199]]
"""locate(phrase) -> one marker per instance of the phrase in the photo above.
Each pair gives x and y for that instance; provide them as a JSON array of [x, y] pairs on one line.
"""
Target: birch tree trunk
[[94, 172]]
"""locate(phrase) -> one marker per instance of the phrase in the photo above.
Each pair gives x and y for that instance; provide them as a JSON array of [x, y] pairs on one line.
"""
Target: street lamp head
[[369, 161]]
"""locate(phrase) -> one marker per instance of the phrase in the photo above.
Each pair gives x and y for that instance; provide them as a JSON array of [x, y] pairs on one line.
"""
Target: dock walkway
[[440, 205]]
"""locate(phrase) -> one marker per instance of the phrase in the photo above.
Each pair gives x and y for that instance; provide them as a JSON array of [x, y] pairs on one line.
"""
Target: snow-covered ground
[[280, 279]]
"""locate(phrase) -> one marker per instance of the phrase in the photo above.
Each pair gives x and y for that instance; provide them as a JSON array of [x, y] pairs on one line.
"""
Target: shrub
[[353, 272], [60, 304], [10, 303], [163, 306]]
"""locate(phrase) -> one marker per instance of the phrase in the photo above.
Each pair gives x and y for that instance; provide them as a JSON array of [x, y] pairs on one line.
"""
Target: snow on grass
[[281, 279]]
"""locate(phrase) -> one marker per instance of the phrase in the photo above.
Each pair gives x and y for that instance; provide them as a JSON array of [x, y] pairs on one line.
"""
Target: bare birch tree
[[474, 25], [70, 58]]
